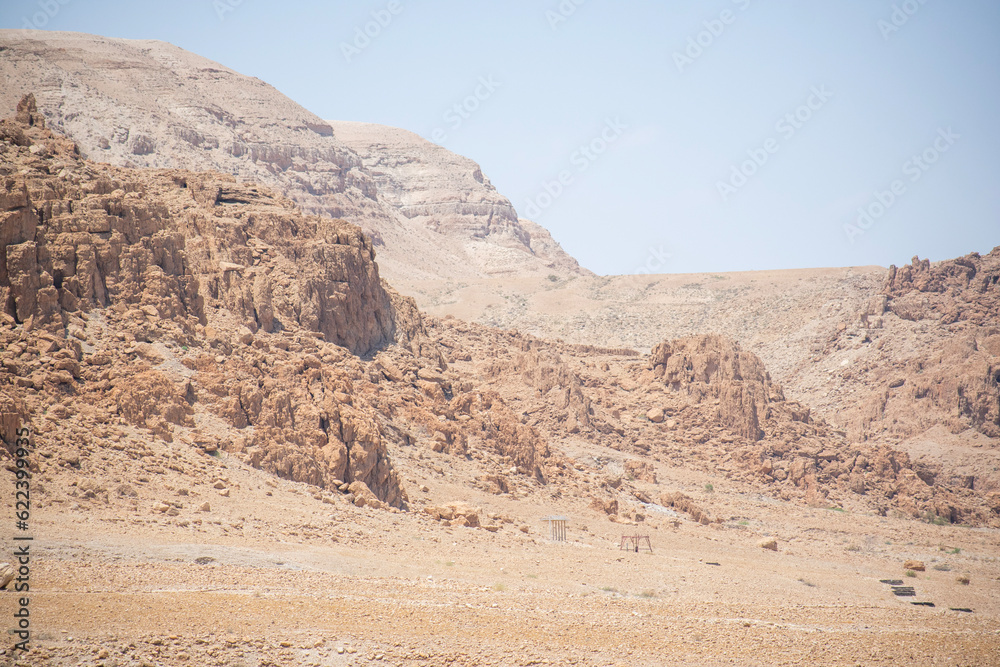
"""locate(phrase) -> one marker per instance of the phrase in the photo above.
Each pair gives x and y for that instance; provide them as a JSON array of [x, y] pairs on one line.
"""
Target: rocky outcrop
[[965, 289], [107, 271], [713, 367], [13, 415], [956, 386], [168, 299], [449, 195], [145, 103], [167, 244], [683, 503], [947, 368]]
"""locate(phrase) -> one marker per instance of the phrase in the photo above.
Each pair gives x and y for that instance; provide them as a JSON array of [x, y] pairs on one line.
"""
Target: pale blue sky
[[883, 98]]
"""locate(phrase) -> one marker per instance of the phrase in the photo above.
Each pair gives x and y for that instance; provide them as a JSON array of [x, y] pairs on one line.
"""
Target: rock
[[70, 458], [962, 579], [364, 497], [685, 504], [915, 565], [641, 470], [768, 543], [655, 415], [455, 514], [715, 366], [7, 573], [205, 507], [607, 506]]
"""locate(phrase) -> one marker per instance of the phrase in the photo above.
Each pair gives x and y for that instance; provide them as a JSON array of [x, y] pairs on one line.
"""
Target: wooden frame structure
[[557, 527], [634, 542]]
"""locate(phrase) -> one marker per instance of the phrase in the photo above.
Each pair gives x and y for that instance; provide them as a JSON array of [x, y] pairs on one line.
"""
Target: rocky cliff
[[449, 195], [146, 103], [142, 305], [166, 305], [112, 276]]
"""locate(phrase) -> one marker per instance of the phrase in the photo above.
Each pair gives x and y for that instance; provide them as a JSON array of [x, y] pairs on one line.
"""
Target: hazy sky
[[680, 136]]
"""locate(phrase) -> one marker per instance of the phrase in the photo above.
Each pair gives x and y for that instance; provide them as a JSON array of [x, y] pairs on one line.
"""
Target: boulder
[[768, 543]]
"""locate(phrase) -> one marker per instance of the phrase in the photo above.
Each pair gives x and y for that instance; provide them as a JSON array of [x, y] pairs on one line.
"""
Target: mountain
[[449, 195], [189, 306], [146, 103], [243, 446]]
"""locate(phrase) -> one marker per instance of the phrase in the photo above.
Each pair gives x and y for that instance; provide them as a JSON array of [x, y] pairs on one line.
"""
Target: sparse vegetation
[[852, 547], [499, 588], [942, 567], [807, 582], [910, 573], [647, 594], [931, 517], [709, 488], [744, 522]]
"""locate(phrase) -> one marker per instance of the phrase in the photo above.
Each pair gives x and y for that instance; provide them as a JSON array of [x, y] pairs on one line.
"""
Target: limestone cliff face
[[175, 241], [143, 103], [448, 194], [191, 307], [952, 376], [150, 104], [105, 272]]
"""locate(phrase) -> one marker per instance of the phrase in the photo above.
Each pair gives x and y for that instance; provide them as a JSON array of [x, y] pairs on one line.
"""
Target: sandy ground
[[280, 574]]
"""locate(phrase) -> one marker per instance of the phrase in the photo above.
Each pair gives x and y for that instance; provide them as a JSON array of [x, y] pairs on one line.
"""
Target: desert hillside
[[448, 194], [268, 456], [145, 103]]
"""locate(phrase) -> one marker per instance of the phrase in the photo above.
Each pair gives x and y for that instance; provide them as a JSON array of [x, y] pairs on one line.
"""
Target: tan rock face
[[449, 195], [163, 245], [151, 104], [174, 258], [203, 311], [955, 381], [711, 367], [12, 415]]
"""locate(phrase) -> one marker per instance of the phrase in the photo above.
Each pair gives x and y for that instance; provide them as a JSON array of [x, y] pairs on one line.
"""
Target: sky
[[664, 137]]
